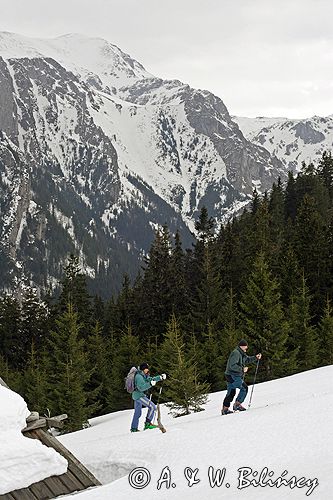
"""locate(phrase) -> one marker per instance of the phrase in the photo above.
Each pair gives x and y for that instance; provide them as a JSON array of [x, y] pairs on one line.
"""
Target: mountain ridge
[[293, 141]]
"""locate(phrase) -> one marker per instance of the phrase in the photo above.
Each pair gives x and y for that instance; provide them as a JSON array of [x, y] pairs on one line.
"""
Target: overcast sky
[[262, 57]]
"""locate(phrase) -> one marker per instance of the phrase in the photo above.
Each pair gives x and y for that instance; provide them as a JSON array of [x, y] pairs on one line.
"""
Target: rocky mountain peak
[[85, 56]]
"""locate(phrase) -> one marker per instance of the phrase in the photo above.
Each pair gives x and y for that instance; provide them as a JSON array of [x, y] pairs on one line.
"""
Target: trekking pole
[[158, 399], [254, 381], [149, 404]]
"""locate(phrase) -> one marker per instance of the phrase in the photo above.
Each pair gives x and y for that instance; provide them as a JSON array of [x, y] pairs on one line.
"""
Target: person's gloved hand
[[258, 356], [163, 376], [245, 369], [153, 382]]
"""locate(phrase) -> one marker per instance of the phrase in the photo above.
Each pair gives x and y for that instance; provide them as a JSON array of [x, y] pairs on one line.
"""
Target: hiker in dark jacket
[[234, 374], [142, 383]]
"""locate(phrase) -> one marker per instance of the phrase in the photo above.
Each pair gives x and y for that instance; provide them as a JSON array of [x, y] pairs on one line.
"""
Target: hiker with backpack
[[138, 382], [234, 375]]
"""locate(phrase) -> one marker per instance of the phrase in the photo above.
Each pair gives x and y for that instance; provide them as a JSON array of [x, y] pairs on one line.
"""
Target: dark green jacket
[[142, 383], [236, 362]]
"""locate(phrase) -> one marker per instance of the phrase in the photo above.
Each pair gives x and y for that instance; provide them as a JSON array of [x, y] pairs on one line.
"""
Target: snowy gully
[[140, 478]]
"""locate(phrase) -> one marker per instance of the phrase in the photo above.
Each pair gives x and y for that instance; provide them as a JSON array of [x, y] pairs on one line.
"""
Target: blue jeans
[[138, 404], [235, 382]]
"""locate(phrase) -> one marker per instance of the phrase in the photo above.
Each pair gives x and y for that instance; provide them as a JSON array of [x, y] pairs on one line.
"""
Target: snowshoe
[[238, 407], [149, 425]]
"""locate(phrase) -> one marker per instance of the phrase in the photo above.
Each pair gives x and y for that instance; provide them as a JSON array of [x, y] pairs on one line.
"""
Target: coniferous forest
[[266, 276]]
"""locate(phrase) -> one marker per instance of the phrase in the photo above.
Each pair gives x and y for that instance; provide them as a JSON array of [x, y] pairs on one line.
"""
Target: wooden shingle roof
[[77, 477]]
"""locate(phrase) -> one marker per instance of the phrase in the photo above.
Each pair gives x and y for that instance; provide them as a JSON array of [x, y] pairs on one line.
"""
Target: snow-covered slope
[[23, 461], [292, 141], [288, 430]]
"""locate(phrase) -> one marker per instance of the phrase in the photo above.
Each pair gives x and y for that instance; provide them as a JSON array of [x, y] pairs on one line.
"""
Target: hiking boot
[[149, 425], [238, 407], [225, 410], [135, 430]]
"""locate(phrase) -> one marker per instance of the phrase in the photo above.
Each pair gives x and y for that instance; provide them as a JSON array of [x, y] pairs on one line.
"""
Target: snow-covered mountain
[[287, 430], [95, 153], [292, 141]]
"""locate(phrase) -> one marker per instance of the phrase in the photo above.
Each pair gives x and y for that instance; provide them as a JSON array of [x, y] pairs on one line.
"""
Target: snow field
[[292, 437]]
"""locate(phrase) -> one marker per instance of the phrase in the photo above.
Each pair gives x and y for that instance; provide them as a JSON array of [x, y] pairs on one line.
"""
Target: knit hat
[[143, 366], [242, 343]]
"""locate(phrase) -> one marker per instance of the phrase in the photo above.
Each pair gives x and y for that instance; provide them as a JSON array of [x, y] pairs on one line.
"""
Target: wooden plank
[[41, 491], [77, 467], [57, 421], [34, 415], [55, 484], [35, 424], [59, 418], [7, 496], [84, 480], [71, 482], [24, 494]]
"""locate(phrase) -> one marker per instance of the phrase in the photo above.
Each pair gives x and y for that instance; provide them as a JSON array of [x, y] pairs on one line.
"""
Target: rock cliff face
[[292, 141], [95, 153]]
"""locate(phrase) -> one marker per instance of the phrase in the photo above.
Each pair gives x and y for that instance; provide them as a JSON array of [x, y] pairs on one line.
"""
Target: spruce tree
[[204, 226], [206, 298], [310, 184], [231, 333], [110, 318], [234, 253], [290, 198], [182, 390], [74, 291], [34, 321], [178, 284], [276, 221], [11, 377], [36, 384], [243, 254], [193, 349], [211, 367], [98, 362], [123, 312], [127, 353], [263, 320], [325, 172], [312, 250], [260, 241], [255, 203], [326, 336], [287, 266], [303, 335], [205, 232], [154, 295], [98, 310], [12, 345], [68, 373]]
